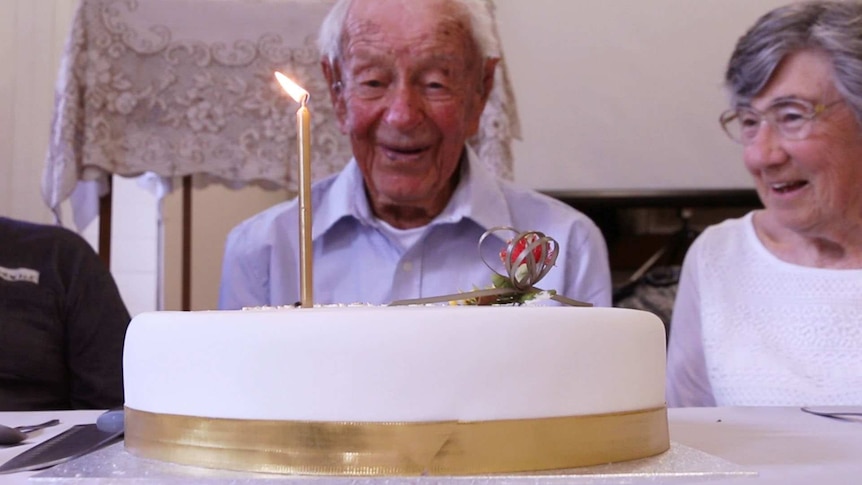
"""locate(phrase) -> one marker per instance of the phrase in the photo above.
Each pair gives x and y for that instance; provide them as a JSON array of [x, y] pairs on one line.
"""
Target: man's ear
[[488, 78], [484, 92], [332, 73]]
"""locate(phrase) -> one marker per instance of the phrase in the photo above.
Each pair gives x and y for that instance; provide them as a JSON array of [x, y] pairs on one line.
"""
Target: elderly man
[[409, 80]]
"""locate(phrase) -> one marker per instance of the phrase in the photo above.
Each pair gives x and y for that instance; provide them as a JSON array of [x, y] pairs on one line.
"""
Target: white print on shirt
[[20, 274]]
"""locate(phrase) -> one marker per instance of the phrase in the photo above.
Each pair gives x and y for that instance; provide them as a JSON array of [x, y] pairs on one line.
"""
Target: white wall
[[32, 34], [624, 94]]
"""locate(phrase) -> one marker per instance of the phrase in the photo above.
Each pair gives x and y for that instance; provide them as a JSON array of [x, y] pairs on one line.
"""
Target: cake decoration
[[527, 258]]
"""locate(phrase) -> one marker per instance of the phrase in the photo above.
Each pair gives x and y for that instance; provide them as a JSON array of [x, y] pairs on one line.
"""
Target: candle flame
[[291, 88]]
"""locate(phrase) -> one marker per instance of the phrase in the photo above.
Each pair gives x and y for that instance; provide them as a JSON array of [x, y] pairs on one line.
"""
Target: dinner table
[[716, 445]]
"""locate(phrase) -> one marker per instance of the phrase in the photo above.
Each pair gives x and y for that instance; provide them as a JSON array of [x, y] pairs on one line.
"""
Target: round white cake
[[331, 374]]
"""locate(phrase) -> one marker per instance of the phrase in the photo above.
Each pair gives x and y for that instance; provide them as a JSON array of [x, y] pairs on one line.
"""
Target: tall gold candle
[[303, 134]]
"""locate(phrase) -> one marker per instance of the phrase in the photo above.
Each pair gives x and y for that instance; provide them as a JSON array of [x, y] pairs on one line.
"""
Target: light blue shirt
[[357, 261]]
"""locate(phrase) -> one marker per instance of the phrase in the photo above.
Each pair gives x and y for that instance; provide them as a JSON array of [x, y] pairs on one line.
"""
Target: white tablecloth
[[781, 445]]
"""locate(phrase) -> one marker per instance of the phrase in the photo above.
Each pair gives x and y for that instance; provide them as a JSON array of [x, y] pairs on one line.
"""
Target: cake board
[[114, 466]]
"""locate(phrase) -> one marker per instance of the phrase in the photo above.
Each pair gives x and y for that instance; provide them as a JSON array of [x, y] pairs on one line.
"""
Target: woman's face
[[811, 186]]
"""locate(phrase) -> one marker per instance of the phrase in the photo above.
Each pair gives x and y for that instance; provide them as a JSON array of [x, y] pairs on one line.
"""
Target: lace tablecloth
[[179, 87]]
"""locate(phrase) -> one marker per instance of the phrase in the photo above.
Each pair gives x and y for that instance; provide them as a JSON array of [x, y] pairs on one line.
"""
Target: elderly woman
[[769, 309]]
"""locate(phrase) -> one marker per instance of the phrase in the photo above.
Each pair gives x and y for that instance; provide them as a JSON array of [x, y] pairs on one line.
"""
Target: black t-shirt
[[62, 322]]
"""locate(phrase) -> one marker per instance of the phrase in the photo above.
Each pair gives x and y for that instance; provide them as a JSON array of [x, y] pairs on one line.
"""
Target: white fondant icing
[[395, 363]]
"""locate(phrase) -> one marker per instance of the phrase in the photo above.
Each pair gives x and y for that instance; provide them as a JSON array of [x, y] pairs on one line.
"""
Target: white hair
[[477, 12]]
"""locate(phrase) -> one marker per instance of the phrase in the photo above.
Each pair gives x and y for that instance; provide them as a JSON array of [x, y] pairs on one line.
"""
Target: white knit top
[[750, 329]]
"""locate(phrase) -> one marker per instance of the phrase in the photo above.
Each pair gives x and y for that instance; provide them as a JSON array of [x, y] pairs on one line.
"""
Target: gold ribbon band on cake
[[374, 449]]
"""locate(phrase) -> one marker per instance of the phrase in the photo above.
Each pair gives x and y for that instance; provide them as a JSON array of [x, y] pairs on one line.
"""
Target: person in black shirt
[[62, 322]]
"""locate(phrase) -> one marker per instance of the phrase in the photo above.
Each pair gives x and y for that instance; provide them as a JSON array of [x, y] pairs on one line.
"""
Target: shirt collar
[[478, 197], [344, 198]]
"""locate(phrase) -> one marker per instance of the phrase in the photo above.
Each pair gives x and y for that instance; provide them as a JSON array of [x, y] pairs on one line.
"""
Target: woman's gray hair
[[832, 27], [477, 12]]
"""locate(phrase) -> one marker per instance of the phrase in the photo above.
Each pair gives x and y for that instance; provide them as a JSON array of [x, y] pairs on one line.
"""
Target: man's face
[[413, 92]]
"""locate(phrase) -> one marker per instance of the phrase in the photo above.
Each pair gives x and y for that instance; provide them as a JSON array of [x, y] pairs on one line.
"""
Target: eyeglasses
[[792, 119]]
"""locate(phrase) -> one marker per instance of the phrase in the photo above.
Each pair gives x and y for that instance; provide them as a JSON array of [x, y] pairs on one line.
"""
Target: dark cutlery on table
[[843, 413], [72, 443], [13, 436]]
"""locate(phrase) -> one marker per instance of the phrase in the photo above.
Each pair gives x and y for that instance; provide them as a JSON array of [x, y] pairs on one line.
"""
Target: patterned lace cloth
[[180, 87]]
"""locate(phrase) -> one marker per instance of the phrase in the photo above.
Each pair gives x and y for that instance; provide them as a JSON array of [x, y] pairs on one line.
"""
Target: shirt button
[[408, 266]]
